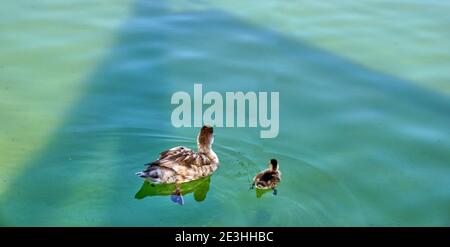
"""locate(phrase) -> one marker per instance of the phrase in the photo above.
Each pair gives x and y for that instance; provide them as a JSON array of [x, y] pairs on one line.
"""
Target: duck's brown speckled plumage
[[269, 178], [181, 164]]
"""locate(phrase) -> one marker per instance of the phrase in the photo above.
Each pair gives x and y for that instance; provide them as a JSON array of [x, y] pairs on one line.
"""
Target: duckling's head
[[205, 138], [273, 165]]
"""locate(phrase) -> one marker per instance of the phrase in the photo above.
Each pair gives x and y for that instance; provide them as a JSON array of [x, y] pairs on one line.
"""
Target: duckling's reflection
[[261, 192], [199, 187]]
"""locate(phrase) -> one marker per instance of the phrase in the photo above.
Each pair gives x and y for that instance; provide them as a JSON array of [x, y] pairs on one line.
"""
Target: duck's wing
[[176, 151], [181, 156], [258, 176]]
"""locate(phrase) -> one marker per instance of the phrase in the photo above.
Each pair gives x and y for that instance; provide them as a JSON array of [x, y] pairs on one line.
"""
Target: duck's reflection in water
[[199, 187]]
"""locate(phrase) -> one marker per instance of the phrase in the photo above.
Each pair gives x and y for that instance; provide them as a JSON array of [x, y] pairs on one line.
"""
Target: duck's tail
[[152, 173], [262, 184], [143, 174]]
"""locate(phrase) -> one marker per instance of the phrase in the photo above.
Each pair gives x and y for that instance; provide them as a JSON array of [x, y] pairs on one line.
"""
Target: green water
[[364, 111]]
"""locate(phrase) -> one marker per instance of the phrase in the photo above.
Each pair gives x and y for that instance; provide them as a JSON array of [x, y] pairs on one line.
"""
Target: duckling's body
[[181, 164], [269, 178]]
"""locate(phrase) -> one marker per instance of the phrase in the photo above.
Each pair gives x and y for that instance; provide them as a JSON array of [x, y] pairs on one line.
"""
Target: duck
[[269, 178], [181, 165]]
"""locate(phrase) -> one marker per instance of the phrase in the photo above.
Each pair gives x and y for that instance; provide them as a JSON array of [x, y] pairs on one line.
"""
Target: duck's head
[[205, 138], [273, 165]]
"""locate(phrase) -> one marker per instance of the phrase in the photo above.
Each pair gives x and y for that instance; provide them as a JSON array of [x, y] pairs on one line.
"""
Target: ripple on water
[[308, 195]]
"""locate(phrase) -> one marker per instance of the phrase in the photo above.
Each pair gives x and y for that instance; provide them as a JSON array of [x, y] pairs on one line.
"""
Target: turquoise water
[[364, 88]]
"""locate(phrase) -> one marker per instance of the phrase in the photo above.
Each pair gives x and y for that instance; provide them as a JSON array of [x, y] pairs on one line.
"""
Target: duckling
[[269, 178], [180, 164]]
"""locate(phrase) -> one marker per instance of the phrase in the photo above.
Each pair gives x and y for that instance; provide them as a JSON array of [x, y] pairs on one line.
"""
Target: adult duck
[[181, 164]]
